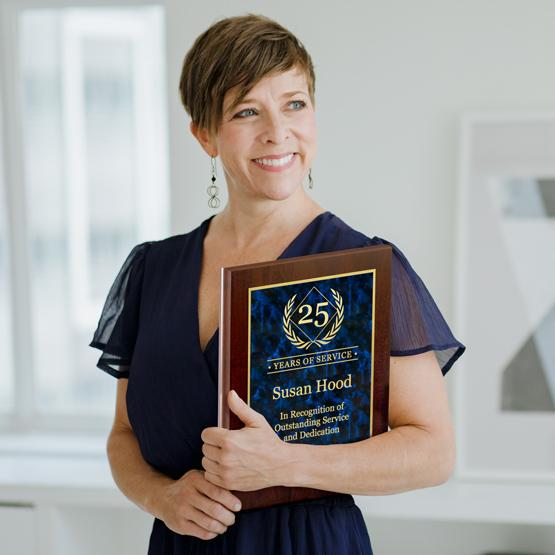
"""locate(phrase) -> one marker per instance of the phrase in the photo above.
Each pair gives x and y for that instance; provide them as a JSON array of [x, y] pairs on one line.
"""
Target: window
[[6, 361], [94, 183]]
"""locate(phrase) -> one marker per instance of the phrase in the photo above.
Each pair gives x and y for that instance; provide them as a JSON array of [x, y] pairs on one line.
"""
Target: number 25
[[307, 320]]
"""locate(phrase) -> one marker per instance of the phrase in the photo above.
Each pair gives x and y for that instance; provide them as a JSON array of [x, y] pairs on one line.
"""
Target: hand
[[194, 506], [246, 459]]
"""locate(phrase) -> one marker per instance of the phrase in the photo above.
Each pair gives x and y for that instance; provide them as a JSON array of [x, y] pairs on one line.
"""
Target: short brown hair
[[238, 50]]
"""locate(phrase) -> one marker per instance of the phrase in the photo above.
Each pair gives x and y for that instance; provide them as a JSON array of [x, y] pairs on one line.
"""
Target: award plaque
[[305, 341]]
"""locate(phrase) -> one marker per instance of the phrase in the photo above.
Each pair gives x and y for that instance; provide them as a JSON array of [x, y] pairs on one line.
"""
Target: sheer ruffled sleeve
[[417, 324], [117, 327]]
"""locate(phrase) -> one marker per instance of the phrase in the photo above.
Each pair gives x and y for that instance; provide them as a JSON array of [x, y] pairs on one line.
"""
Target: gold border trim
[[320, 278]]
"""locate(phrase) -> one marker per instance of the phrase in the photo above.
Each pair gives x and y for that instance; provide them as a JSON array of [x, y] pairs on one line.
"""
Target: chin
[[280, 193]]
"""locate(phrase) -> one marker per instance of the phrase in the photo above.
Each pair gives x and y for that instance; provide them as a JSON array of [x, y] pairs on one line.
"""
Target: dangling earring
[[310, 182], [212, 190]]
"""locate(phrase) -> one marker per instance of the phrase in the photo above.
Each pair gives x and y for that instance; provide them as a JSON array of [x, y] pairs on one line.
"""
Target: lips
[[273, 166], [273, 156]]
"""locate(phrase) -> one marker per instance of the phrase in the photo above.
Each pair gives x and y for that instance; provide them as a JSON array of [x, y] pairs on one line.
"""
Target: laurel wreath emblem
[[331, 333]]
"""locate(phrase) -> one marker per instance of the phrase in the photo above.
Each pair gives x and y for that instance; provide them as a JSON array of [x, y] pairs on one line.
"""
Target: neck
[[247, 225]]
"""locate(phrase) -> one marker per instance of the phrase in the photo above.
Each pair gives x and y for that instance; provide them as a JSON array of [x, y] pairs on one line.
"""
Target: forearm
[[401, 459], [137, 479]]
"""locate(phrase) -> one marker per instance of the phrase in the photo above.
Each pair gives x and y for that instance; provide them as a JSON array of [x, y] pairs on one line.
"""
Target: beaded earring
[[212, 189]]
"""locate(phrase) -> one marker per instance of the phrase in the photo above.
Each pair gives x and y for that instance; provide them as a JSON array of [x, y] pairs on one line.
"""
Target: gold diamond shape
[[301, 303]]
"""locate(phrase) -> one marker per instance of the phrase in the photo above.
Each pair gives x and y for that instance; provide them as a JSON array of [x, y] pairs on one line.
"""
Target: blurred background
[[436, 130]]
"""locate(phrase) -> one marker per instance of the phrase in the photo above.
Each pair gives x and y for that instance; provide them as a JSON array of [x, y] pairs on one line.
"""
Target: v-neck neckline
[[200, 255]]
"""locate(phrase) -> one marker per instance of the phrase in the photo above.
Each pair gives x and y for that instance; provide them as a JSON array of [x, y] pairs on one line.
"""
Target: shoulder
[[170, 248], [342, 232], [340, 235]]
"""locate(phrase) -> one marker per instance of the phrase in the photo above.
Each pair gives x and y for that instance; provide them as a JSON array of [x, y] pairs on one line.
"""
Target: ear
[[204, 138]]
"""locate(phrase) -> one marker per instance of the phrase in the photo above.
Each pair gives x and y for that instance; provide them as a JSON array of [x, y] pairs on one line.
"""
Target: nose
[[276, 128]]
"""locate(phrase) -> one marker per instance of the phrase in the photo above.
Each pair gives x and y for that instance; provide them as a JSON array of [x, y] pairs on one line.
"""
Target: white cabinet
[[69, 505], [94, 530], [71, 529], [18, 530], [66, 505]]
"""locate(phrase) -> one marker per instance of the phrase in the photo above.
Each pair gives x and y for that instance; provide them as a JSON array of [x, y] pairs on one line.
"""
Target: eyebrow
[[247, 100]]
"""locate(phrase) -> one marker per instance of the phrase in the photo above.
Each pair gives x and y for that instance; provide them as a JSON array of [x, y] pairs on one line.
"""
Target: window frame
[[25, 417]]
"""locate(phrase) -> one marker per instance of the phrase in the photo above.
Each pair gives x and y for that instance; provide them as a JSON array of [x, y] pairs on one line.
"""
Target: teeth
[[278, 162]]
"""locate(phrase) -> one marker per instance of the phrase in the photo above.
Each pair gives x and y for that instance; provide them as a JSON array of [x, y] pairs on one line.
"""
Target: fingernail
[[237, 506]]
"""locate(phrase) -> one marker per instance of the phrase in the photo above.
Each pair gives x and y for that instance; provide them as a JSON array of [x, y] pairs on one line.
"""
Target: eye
[[238, 114], [301, 102]]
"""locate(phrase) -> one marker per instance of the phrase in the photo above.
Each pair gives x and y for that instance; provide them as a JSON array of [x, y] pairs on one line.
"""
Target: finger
[[214, 509], [211, 452], [193, 529], [207, 522], [213, 435], [214, 478], [248, 416], [211, 466], [222, 495]]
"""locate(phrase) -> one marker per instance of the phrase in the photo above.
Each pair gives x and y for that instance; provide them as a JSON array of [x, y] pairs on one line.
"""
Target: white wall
[[392, 79]]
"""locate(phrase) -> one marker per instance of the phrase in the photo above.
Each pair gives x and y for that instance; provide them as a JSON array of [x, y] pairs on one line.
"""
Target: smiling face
[[268, 142]]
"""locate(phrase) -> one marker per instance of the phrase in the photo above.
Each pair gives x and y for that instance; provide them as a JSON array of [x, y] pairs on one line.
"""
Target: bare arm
[[419, 450], [137, 480], [190, 505]]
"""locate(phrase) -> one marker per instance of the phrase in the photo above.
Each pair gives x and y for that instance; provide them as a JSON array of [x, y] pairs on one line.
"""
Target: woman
[[158, 330]]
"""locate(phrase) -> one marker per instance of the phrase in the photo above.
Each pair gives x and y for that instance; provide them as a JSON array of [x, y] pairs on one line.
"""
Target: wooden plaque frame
[[234, 347]]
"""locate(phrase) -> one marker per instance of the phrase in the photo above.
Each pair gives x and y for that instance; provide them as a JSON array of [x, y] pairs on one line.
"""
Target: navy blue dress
[[150, 323]]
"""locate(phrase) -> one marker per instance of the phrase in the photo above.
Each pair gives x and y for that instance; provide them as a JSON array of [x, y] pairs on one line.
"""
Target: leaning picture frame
[[505, 297]]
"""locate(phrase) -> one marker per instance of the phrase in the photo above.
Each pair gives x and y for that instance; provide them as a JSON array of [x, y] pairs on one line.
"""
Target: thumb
[[248, 416]]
